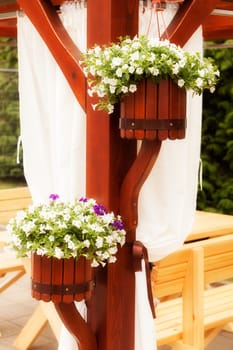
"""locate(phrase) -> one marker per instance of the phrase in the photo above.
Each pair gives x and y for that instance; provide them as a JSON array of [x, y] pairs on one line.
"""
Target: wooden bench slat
[[208, 224], [10, 263], [179, 318], [16, 192], [13, 200]]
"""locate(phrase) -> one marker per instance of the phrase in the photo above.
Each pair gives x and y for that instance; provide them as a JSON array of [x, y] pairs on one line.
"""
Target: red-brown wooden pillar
[[111, 309]]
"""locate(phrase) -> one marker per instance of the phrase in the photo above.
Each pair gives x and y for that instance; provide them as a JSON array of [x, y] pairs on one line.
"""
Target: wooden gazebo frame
[[111, 309]]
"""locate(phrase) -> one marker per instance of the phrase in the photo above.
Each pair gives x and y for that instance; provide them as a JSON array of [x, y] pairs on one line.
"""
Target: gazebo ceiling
[[217, 25]]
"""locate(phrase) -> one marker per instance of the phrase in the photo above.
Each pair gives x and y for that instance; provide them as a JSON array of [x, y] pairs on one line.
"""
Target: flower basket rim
[[67, 229], [115, 69]]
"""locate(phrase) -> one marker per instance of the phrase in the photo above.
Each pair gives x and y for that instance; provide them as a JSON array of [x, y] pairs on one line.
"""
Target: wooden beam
[[48, 24], [224, 5], [218, 27], [189, 17], [8, 28], [8, 6]]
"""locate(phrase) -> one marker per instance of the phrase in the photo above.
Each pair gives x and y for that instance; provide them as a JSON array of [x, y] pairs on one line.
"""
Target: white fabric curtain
[[53, 136], [53, 125], [167, 200], [52, 122]]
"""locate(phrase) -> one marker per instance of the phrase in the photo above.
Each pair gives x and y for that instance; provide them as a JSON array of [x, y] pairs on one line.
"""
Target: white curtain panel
[[53, 135], [167, 200], [53, 125], [52, 122]]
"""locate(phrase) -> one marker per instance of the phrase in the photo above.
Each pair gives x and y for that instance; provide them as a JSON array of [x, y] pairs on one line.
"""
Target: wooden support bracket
[[133, 182], [191, 15], [48, 24], [76, 325]]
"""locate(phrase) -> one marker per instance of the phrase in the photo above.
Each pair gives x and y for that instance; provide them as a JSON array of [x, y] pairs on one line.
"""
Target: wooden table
[[208, 224]]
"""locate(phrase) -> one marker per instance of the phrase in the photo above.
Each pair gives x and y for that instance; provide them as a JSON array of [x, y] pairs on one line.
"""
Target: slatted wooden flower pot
[[61, 280], [154, 111]]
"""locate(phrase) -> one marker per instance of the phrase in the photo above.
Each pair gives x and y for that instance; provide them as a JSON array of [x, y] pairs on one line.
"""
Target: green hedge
[[217, 138]]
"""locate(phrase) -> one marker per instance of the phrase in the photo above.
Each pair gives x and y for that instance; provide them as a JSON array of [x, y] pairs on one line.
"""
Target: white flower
[[124, 89], [116, 62], [182, 62], [132, 87], [20, 215], [98, 62], [77, 223], [99, 242], [176, 68], [16, 240], [131, 69], [94, 263], [112, 89], [181, 82], [100, 93], [134, 56], [105, 256], [71, 245], [125, 67], [41, 251], [136, 44], [28, 226], [92, 70], [67, 238], [154, 71], [58, 253], [199, 82], [139, 70], [110, 108], [212, 89], [29, 245], [112, 259], [108, 218], [94, 106], [90, 92], [109, 239], [86, 243], [119, 72], [113, 250], [97, 50]]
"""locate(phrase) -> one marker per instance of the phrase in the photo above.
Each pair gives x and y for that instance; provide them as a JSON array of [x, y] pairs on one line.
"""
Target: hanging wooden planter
[[61, 280], [154, 111]]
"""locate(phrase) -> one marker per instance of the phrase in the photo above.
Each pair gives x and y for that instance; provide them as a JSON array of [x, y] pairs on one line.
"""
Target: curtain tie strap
[[139, 253], [19, 142]]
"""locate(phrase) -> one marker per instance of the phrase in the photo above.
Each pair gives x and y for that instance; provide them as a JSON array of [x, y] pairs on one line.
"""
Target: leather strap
[[139, 253], [152, 124], [64, 289]]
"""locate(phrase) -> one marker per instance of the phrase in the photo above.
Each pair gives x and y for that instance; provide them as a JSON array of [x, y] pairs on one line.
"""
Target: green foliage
[[217, 138], [9, 111]]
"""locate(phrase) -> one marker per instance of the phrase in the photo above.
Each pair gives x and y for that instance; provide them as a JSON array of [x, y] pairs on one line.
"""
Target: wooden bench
[[11, 201], [11, 269], [192, 310], [207, 225]]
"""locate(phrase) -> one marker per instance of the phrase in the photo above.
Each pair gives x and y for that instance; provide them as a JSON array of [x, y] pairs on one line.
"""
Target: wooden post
[[111, 309]]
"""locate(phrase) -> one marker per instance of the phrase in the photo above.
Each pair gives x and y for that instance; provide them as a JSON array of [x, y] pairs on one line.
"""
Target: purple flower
[[83, 199], [118, 224], [53, 196], [99, 209]]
